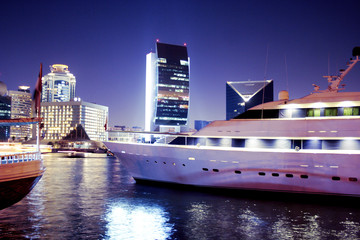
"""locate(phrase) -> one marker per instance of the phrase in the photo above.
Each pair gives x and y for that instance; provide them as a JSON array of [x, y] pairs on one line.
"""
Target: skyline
[[105, 46]]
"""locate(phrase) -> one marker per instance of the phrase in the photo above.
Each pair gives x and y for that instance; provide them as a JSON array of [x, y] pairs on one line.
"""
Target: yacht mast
[[334, 81]]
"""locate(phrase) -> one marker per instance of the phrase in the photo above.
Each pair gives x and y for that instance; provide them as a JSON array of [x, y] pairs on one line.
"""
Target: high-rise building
[[243, 95], [58, 85], [60, 118], [5, 111], [62, 112], [167, 88], [21, 101]]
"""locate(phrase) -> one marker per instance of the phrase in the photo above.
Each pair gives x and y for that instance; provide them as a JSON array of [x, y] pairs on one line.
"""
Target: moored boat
[[20, 166], [19, 172], [306, 145]]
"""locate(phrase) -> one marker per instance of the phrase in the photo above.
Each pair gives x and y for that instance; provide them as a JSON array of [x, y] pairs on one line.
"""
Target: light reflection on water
[[95, 198], [131, 221]]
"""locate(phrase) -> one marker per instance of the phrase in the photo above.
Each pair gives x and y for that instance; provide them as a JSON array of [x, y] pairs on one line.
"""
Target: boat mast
[[38, 90]]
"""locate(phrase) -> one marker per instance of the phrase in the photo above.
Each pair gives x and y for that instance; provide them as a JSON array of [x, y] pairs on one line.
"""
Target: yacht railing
[[19, 157], [147, 138]]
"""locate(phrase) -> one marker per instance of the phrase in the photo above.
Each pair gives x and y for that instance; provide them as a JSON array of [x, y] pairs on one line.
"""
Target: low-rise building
[[60, 118]]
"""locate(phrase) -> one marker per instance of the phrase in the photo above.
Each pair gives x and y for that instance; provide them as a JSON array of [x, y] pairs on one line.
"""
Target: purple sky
[[104, 43]]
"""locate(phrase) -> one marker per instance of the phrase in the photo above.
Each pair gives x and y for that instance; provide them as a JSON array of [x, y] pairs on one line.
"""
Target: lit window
[[184, 63], [313, 112], [330, 112], [351, 111]]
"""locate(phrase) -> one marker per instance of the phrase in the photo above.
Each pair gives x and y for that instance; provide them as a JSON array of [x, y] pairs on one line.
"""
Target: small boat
[[308, 145], [74, 154]]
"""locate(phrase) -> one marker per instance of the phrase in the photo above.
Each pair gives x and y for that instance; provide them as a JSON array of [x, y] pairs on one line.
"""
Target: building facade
[[167, 88], [243, 95], [21, 101], [58, 85], [60, 118], [5, 111]]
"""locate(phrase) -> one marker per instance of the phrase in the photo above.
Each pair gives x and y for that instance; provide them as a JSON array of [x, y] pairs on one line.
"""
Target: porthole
[[205, 169], [237, 172], [261, 174], [304, 176], [335, 178], [289, 175], [164, 162], [353, 179], [215, 170], [183, 164], [155, 161], [275, 174]]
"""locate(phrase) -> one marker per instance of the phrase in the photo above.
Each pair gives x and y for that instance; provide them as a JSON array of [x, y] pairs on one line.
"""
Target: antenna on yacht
[[334, 81], [286, 75], [328, 63], [265, 72]]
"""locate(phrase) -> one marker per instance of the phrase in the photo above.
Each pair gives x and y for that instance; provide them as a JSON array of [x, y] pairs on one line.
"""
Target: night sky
[[104, 43]]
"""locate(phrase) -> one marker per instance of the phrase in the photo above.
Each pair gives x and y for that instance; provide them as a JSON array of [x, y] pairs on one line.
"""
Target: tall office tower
[[167, 88], [21, 101], [5, 111], [243, 95], [59, 85], [60, 118]]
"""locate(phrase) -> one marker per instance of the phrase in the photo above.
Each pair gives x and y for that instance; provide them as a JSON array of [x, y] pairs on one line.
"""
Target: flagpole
[[38, 108], [38, 136]]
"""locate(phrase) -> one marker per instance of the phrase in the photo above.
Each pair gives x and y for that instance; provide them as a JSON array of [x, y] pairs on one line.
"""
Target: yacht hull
[[304, 171]]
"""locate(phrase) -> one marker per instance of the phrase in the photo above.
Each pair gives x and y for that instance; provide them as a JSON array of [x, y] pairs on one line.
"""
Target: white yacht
[[306, 145]]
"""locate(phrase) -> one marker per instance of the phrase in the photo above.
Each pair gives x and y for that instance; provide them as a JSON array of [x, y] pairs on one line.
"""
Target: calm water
[[95, 198]]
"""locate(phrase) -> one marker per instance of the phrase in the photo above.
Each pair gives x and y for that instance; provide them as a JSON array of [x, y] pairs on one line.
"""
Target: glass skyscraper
[[167, 88], [243, 95], [59, 85]]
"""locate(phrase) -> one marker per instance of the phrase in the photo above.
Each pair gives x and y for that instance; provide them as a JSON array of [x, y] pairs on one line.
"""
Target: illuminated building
[[5, 111], [63, 112], [167, 88], [59, 85], [21, 101], [60, 118], [243, 95]]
